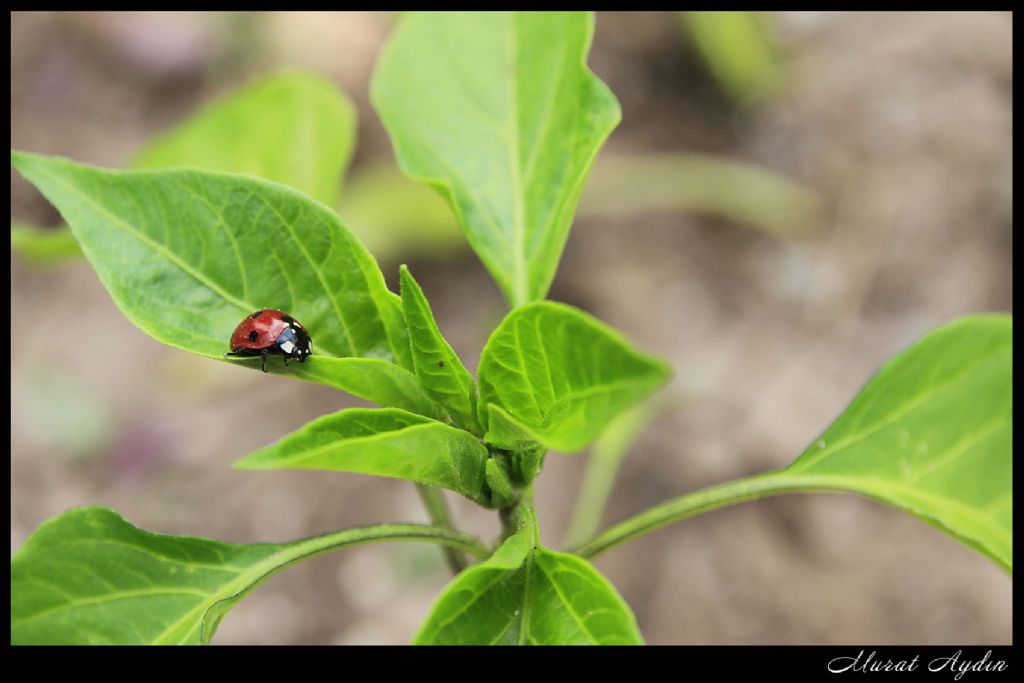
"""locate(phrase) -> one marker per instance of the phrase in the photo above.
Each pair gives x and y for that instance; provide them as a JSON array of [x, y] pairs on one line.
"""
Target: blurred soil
[[900, 122]]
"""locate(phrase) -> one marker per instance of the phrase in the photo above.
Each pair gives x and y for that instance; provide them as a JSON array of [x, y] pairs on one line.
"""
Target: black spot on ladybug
[[440, 363], [256, 315], [253, 335]]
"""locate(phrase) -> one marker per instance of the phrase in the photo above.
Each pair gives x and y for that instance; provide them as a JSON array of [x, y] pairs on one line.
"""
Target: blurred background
[[789, 200]]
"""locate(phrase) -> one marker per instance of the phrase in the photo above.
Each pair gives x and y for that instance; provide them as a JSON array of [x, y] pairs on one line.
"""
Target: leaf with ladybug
[[266, 333], [186, 254]]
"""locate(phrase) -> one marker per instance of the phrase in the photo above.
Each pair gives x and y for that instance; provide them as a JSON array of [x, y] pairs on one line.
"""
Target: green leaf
[[500, 112], [438, 368], [90, 577], [931, 433], [528, 595], [44, 246], [293, 128], [186, 254], [559, 375], [387, 443]]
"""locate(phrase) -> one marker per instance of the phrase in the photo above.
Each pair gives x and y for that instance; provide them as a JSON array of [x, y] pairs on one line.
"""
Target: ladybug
[[269, 331]]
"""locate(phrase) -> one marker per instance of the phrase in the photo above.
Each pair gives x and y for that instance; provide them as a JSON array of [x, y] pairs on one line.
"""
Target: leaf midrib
[[568, 605], [520, 290], [142, 237], [76, 602], [185, 267], [311, 453], [858, 435], [291, 554]]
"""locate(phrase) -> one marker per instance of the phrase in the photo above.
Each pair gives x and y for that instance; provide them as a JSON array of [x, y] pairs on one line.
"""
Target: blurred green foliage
[[41, 246], [738, 50]]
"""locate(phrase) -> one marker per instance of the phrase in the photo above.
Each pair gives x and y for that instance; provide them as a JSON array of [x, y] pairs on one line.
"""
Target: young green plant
[[500, 113]]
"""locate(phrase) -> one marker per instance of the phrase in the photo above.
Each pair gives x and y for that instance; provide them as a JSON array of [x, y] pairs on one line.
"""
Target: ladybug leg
[[285, 360], [264, 356]]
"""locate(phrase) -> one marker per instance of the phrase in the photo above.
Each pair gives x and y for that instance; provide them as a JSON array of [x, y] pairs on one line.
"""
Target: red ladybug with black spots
[[269, 331]]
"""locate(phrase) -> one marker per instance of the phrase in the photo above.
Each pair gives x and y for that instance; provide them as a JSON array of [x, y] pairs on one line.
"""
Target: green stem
[[437, 508], [511, 516], [384, 532], [730, 493], [507, 517]]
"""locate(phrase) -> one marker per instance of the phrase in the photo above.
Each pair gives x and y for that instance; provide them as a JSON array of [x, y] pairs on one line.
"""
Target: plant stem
[[507, 516], [437, 508], [510, 516], [730, 493], [315, 545]]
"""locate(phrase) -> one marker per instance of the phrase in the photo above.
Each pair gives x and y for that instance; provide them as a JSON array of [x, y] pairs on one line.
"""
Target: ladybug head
[[294, 342]]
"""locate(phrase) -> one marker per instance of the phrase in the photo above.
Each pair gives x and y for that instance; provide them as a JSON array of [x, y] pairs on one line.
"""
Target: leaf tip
[[663, 369], [407, 283], [19, 158], [249, 462]]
